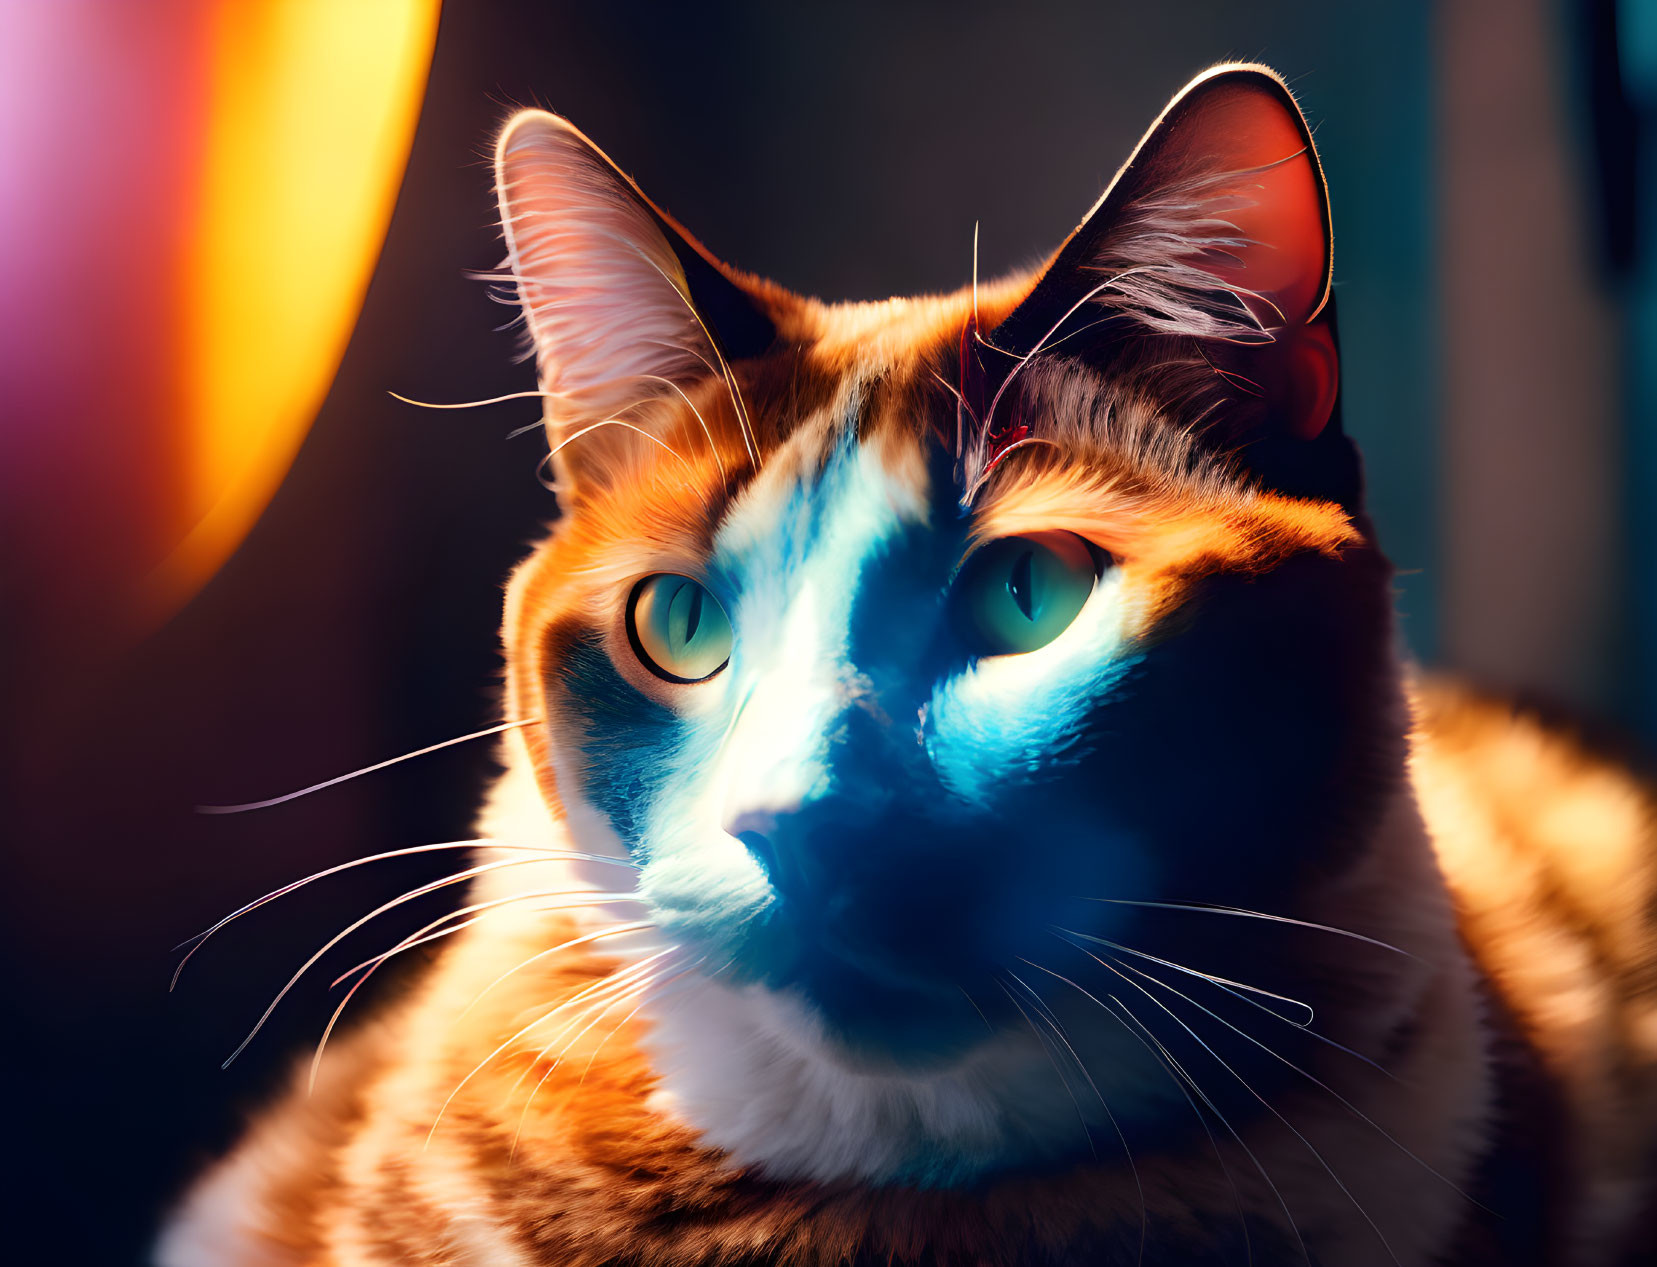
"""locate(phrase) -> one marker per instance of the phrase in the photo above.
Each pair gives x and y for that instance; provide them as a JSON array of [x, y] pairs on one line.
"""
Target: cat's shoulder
[[1548, 842], [262, 1204], [1526, 809]]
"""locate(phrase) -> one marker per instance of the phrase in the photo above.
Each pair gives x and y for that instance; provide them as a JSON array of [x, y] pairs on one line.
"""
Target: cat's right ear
[[621, 304]]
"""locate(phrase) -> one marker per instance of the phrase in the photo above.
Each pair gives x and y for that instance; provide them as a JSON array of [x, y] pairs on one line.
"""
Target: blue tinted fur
[[886, 788], [628, 738]]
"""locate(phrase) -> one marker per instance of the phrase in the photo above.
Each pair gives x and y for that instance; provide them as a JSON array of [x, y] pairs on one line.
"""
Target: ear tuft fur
[[621, 306], [603, 294], [1209, 257]]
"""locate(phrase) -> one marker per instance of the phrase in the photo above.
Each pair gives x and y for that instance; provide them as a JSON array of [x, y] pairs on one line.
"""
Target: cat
[[964, 802]]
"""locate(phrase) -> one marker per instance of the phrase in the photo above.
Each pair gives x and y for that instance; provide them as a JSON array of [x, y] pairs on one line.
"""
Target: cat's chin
[[868, 1011], [870, 1021], [765, 1077]]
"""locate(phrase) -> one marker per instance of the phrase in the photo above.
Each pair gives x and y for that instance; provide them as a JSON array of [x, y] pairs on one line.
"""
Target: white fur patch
[[750, 1070], [752, 1073]]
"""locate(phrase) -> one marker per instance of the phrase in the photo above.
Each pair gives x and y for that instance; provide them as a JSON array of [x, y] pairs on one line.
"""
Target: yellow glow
[[312, 110]]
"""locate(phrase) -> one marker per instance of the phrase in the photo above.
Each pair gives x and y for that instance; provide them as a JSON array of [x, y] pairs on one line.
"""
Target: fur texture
[[1194, 934]]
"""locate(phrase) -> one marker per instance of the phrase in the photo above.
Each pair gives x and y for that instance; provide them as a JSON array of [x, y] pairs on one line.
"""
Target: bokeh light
[[312, 107], [195, 195]]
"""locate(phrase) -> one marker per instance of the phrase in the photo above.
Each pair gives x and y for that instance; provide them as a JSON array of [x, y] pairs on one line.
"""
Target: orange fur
[[598, 1176], [510, 1117]]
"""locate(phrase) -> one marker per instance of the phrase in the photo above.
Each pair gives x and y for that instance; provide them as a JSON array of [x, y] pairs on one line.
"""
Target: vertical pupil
[[1019, 584], [684, 615], [693, 616]]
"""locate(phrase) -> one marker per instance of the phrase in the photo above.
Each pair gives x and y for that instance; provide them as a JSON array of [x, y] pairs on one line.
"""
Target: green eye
[[678, 630], [1020, 593]]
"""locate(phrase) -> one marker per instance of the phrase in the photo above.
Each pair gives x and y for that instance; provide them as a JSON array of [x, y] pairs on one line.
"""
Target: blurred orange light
[[312, 106]]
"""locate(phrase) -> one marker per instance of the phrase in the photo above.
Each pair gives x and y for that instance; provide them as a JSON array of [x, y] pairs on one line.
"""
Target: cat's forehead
[[832, 492], [868, 456], [893, 335]]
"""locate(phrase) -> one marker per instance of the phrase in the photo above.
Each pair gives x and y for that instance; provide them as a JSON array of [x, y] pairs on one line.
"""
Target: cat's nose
[[763, 834], [756, 829], [747, 822]]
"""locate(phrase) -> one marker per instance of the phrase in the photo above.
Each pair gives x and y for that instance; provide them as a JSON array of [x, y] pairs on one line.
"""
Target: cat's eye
[[678, 630], [1019, 593]]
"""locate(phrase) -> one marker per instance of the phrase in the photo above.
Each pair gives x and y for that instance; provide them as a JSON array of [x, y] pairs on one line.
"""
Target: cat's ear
[[621, 304], [1214, 237]]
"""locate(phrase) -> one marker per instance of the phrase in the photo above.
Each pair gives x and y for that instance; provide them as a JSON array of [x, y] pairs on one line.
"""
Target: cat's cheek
[[704, 889]]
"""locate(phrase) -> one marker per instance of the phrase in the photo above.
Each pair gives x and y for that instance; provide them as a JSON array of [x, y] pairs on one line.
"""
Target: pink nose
[[744, 822], [758, 830]]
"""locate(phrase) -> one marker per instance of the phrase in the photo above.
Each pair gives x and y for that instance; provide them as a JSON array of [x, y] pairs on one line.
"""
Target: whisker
[[475, 911], [960, 398], [545, 464], [744, 423], [1074, 334], [1182, 1077], [1211, 909], [367, 769], [1052, 1059], [1058, 1032], [706, 430], [1267, 1104], [602, 993], [960, 406], [976, 1008], [658, 992], [540, 424], [951, 389], [975, 227], [372, 965], [614, 989], [652, 991], [551, 855], [1354, 1109], [471, 404], [433, 886], [1207, 1100], [614, 931], [1214, 1144], [1304, 1027], [616, 422], [1041, 343], [542, 954], [989, 467], [1193, 972], [620, 988], [986, 427], [420, 937], [1308, 1030]]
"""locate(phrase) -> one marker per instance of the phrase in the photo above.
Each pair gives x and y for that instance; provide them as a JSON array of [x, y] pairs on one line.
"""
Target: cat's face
[[908, 647]]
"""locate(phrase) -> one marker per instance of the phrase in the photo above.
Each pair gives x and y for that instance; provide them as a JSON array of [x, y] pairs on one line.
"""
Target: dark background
[[1495, 298]]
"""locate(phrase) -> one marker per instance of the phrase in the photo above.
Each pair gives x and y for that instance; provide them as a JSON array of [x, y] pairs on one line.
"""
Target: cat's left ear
[[623, 306], [1215, 237]]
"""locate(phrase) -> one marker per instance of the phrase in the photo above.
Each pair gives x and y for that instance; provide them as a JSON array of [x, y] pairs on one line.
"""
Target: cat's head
[[908, 646]]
